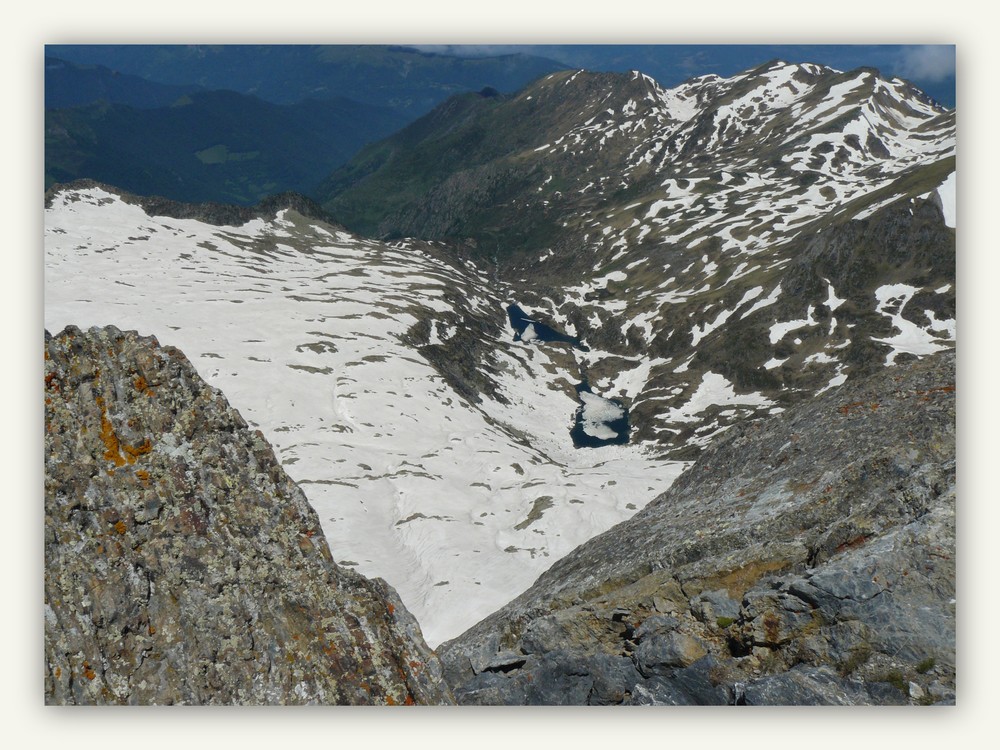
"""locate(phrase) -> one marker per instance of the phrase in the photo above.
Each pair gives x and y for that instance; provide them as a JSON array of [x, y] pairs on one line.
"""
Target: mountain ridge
[[803, 559], [670, 122]]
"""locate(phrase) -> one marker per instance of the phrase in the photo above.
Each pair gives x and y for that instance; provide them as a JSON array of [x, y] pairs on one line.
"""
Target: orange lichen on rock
[[926, 395], [114, 448], [142, 385], [938, 389], [120, 527], [852, 543], [108, 437], [132, 452]]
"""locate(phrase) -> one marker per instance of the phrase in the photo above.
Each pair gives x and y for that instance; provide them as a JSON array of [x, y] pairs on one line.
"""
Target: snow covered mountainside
[[594, 252], [305, 327], [739, 241]]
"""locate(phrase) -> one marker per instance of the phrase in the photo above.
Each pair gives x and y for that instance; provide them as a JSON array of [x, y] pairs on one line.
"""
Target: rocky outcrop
[[807, 559], [182, 565]]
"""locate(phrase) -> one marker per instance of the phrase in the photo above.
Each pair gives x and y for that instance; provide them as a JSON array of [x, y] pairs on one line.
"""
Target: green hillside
[[212, 146]]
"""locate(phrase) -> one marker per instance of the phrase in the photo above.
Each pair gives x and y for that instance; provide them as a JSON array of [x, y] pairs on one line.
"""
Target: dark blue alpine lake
[[528, 329], [599, 421]]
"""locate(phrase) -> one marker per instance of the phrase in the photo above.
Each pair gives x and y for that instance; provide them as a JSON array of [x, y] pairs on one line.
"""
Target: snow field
[[301, 331]]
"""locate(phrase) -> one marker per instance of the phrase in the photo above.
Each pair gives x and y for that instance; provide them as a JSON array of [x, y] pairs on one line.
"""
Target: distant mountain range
[[210, 145], [401, 78], [237, 123], [69, 84]]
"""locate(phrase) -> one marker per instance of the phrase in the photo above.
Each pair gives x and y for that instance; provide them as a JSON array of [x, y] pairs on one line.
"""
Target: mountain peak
[[576, 134]]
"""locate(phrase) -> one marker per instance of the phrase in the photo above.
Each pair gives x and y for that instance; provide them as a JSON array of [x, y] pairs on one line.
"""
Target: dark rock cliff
[[182, 565], [805, 559]]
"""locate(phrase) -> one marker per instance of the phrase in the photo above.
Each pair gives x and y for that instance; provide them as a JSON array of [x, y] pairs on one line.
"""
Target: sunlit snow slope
[[302, 326]]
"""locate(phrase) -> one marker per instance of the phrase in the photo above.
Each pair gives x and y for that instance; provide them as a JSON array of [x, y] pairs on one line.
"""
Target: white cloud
[[475, 50], [928, 62]]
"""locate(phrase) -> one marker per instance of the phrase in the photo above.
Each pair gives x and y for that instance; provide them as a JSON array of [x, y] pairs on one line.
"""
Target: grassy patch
[[542, 504], [736, 582], [858, 656], [895, 678], [220, 154], [926, 665]]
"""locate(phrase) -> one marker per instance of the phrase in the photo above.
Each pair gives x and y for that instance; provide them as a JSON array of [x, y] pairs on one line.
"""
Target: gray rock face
[[660, 653], [806, 559], [182, 565], [812, 686]]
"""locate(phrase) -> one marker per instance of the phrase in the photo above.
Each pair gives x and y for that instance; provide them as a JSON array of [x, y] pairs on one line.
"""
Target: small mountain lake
[[599, 421], [528, 329]]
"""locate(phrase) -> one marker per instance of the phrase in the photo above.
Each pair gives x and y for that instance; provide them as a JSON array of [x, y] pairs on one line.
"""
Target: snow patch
[[911, 339], [714, 390], [780, 329], [769, 300], [946, 192], [305, 336], [597, 412]]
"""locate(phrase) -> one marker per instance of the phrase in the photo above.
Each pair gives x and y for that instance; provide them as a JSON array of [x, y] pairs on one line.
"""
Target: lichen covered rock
[[182, 565]]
